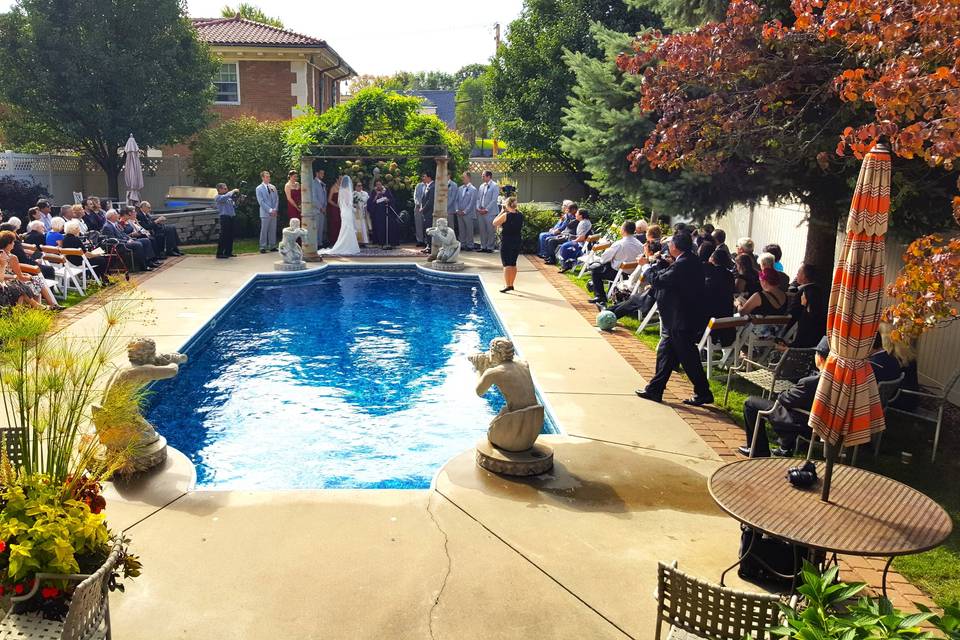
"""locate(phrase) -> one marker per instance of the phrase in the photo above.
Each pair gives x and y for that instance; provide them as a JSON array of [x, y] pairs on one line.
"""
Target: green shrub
[[17, 195], [610, 213], [238, 150], [535, 222]]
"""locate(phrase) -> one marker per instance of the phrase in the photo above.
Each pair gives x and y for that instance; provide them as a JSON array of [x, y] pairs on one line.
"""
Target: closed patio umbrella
[[132, 170], [847, 409]]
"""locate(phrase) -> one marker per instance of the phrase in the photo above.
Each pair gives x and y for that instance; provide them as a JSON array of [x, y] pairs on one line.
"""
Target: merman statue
[[445, 248]]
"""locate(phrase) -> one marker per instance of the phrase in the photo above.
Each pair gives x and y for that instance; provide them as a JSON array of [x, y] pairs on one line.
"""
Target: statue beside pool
[[511, 446], [445, 248], [290, 251]]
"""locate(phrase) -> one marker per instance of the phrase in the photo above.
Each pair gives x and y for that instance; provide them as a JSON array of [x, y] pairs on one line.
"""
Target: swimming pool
[[342, 377]]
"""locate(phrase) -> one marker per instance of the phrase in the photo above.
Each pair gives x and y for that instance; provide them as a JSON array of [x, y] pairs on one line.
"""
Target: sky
[[384, 36]]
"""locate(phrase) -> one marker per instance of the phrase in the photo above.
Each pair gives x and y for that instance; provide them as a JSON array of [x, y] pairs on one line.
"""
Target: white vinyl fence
[[64, 175], [785, 224]]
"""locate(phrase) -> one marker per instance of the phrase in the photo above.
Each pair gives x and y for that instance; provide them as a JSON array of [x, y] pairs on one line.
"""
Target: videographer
[[678, 285], [226, 207]]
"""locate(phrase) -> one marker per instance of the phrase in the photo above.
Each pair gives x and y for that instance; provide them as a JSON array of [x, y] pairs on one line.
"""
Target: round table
[[867, 515]]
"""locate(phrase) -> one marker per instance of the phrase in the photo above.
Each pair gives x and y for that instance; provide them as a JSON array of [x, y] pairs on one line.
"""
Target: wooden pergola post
[[307, 212], [440, 196]]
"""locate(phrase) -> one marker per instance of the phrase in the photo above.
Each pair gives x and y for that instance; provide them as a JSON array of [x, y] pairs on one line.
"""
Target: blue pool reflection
[[353, 377]]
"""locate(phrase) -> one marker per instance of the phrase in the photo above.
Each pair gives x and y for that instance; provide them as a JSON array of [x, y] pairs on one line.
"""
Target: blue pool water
[[351, 377]]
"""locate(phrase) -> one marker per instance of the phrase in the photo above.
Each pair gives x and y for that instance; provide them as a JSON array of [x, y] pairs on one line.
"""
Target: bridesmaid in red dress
[[292, 191], [333, 213]]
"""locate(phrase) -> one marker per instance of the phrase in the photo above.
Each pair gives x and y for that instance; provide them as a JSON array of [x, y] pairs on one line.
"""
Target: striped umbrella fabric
[[847, 410]]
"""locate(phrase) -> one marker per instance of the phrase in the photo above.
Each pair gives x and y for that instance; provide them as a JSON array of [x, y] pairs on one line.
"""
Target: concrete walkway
[[569, 555]]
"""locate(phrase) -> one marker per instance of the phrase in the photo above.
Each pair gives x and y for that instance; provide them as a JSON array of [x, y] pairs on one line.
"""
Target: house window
[[227, 84]]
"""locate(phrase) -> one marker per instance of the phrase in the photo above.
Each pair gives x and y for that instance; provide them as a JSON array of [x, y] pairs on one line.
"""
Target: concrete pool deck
[[569, 555]]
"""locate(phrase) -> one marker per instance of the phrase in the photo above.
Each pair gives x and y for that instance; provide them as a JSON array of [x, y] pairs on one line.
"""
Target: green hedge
[[535, 222]]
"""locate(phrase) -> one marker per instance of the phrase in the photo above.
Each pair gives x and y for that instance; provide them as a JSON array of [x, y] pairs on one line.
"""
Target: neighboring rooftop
[[240, 32], [444, 101]]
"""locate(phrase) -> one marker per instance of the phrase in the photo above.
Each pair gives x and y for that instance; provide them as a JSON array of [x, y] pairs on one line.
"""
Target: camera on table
[[803, 477]]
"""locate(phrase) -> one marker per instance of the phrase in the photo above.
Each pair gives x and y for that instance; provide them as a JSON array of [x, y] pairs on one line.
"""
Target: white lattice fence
[[536, 180]]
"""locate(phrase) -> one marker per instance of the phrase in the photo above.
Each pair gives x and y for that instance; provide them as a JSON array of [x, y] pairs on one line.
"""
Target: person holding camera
[[226, 208], [678, 285]]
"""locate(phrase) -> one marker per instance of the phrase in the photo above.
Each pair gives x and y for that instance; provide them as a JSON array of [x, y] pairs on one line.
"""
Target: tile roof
[[242, 32], [445, 102]]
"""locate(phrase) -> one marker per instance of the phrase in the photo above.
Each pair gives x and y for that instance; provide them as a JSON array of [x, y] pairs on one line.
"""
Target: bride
[[347, 240]]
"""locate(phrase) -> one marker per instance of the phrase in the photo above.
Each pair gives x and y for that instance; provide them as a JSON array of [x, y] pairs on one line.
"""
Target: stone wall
[[195, 227]]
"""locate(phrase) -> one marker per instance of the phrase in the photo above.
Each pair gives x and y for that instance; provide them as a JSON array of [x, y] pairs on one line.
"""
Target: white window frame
[[236, 65]]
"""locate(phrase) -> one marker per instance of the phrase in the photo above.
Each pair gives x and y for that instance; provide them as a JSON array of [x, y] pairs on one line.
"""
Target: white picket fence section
[[64, 175], [785, 224]]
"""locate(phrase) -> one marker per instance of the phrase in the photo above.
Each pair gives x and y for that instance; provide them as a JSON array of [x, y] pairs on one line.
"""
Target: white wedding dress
[[346, 244]]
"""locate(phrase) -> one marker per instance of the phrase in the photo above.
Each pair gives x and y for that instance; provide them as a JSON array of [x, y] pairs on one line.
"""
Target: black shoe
[[222, 257], [780, 452], [274, 249], [486, 250], [149, 268], [263, 250], [506, 290], [646, 395], [699, 401], [232, 255], [602, 302]]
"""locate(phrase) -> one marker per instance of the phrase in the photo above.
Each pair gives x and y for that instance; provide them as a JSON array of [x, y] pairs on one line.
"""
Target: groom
[[269, 202]]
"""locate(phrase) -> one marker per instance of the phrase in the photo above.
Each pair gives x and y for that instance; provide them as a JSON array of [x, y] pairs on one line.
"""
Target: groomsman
[[269, 202], [452, 206], [318, 194], [426, 208], [418, 200], [487, 210], [466, 212]]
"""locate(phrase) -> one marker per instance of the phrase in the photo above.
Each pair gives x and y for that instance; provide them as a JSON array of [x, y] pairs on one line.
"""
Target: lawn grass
[[937, 572], [240, 246]]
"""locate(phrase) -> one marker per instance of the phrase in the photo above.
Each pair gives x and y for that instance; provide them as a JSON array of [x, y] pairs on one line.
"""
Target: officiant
[[383, 215]]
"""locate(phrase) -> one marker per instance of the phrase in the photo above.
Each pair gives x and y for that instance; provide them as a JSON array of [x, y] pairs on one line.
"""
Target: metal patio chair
[[794, 363], [698, 610], [936, 400]]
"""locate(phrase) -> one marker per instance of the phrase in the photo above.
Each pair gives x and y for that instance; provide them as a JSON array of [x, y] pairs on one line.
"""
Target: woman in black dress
[[510, 223]]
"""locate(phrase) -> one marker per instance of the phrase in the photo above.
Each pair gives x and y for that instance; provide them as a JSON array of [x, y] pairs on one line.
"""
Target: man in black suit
[[93, 216], [787, 420], [677, 283], [427, 207], [133, 247]]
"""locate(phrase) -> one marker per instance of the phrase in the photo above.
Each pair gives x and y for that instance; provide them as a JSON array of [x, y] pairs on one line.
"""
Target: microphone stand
[[399, 219]]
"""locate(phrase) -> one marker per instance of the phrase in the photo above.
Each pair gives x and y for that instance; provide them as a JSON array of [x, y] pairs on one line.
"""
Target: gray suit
[[487, 199], [318, 193], [452, 206], [418, 194], [269, 201], [466, 215]]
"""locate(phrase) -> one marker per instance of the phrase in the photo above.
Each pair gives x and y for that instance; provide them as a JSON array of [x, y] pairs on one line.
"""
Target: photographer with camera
[[226, 202]]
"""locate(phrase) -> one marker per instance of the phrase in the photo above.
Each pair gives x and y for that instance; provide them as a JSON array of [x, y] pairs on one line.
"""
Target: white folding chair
[[32, 270], [590, 254], [718, 355], [69, 275], [85, 267], [648, 319]]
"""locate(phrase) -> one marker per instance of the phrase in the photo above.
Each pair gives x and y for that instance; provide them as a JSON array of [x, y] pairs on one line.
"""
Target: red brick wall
[[264, 92]]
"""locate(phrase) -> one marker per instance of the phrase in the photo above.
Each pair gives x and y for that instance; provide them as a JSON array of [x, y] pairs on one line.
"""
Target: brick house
[[268, 72]]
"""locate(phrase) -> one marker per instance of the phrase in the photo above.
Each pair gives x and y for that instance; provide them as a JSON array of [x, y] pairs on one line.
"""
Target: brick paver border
[[718, 430]]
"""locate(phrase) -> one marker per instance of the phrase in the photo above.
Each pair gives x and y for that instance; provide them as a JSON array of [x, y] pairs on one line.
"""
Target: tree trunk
[[113, 183], [822, 237]]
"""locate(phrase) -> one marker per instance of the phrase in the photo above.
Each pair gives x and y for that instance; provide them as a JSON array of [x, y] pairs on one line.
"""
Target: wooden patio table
[[867, 515]]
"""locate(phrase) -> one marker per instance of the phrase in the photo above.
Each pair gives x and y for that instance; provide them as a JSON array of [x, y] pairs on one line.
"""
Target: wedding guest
[[292, 192], [777, 253], [318, 196], [426, 207], [386, 228], [552, 244], [769, 301], [66, 212], [418, 222], [653, 247], [39, 289], [767, 261], [130, 246], [563, 219], [269, 201], [55, 234], [718, 300], [76, 213], [71, 240], [128, 223], [466, 212], [166, 234], [745, 247], [720, 239], [627, 249], [452, 207], [98, 211], [808, 309], [45, 215], [226, 209], [12, 292], [510, 223], [361, 216], [747, 280], [36, 233], [572, 249], [486, 211]]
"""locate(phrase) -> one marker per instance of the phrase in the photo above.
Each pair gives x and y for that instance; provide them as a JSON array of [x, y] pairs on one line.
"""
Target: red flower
[[49, 592], [18, 588], [3, 546]]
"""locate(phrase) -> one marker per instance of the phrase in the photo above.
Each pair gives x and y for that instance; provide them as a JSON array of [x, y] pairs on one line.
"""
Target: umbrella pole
[[829, 455]]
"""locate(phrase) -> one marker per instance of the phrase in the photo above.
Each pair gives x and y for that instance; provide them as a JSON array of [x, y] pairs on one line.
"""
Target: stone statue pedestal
[[289, 266], [436, 265], [146, 457], [534, 461]]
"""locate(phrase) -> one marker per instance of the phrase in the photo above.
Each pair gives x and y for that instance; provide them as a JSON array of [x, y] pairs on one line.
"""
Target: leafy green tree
[[377, 117], [400, 81], [526, 87], [251, 12], [470, 114], [237, 151], [85, 74], [475, 70], [433, 80]]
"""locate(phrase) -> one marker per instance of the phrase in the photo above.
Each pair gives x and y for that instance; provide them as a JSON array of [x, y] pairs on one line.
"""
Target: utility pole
[[496, 38]]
